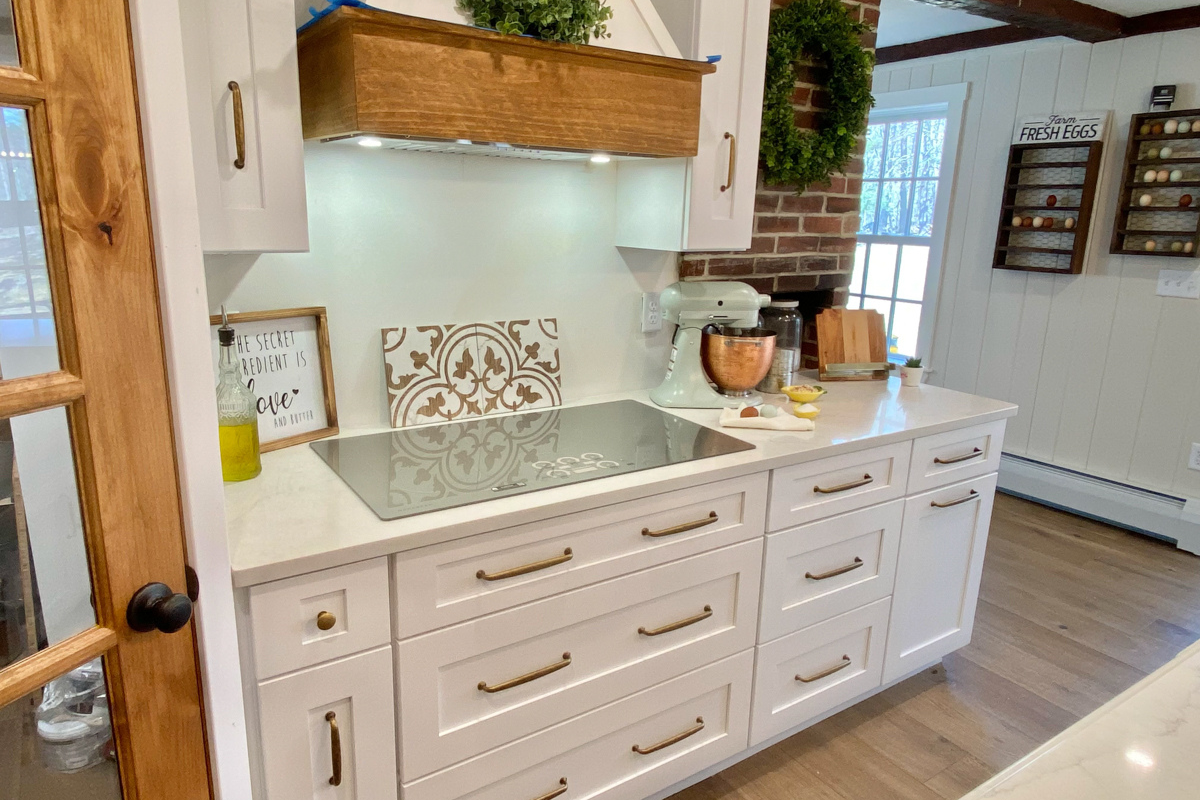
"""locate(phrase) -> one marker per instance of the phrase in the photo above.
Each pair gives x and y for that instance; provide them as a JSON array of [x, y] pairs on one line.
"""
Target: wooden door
[[942, 543], [89, 500]]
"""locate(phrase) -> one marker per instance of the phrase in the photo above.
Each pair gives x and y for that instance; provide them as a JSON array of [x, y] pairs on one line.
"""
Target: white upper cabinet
[[240, 57], [706, 202]]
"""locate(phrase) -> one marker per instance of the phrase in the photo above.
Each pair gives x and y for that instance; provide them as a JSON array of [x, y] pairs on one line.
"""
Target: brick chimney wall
[[803, 244]]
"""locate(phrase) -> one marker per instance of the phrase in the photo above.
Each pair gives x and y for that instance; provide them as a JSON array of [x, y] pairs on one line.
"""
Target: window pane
[[860, 263], [8, 36], [923, 202], [906, 322], [913, 261], [59, 740], [901, 149], [870, 194], [881, 269], [933, 136], [854, 302], [893, 208], [873, 156]]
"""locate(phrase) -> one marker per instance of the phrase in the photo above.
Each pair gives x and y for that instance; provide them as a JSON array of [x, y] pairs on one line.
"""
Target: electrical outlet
[[651, 313], [1194, 458], [1178, 283]]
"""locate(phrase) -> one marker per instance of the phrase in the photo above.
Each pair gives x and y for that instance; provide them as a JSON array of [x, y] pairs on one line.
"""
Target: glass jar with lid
[[783, 317]]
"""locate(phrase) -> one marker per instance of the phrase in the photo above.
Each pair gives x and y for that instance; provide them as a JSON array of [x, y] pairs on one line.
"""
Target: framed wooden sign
[[285, 361]]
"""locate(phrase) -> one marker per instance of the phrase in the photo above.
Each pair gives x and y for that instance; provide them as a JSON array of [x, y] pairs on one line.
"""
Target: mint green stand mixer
[[691, 306]]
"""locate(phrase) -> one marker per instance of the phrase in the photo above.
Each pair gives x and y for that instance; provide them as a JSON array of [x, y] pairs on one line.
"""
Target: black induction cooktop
[[434, 467]]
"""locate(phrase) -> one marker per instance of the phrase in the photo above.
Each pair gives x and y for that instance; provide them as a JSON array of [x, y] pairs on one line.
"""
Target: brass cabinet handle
[[976, 453], [567, 555], [239, 126], [562, 788], [858, 562], [679, 737], [325, 621], [969, 497], [528, 676], [682, 527], [844, 487], [674, 626], [825, 673], [732, 160], [335, 742]]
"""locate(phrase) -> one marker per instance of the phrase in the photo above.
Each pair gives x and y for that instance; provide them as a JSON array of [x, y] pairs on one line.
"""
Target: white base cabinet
[[614, 654]]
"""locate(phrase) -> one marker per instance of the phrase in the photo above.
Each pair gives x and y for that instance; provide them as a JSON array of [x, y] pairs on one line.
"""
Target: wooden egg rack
[[1164, 221]]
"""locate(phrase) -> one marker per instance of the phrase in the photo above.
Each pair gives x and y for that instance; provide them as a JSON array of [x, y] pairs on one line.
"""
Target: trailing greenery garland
[[573, 21], [823, 31]]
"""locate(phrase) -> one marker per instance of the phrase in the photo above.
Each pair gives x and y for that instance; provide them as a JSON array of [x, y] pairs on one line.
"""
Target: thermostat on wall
[[1162, 98]]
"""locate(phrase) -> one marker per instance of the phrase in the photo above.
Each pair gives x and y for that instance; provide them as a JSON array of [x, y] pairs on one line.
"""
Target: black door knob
[[155, 606]]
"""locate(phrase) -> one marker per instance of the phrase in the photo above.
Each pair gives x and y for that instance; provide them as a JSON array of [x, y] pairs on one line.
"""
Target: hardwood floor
[[1071, 612]]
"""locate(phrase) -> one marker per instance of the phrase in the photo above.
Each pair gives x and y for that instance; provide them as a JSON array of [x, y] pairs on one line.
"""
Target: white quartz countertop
[[298, 516], [1142, 744]]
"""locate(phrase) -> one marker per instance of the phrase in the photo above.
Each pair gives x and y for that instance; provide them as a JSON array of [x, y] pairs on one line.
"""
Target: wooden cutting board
[[852, 338]]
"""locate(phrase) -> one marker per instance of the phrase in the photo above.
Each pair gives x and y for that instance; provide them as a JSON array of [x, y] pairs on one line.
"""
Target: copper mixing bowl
[[737, 359]]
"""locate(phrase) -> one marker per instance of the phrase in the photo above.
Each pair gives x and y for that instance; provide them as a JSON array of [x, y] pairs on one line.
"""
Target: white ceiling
[[904, 21]]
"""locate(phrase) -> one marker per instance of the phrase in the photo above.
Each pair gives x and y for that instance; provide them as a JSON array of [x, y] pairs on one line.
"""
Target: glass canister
[[783, 317]]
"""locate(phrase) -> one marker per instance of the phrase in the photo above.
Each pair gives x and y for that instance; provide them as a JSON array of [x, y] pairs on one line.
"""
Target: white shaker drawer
[[444, 584], [483, 683], [806, 492], [816, 669], [328, 732], [308, 619], [826, 568], [955, 456], [681, 727]]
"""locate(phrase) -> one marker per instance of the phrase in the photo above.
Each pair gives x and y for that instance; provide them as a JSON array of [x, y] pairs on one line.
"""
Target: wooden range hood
[[371, 72]]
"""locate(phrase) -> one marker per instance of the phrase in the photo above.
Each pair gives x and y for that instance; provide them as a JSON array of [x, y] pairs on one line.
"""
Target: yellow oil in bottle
[[239, 451]]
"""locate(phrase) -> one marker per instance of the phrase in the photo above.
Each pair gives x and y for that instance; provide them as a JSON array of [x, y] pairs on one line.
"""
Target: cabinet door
[[260, 205], [724, 174], [942, 542], [307, 717]]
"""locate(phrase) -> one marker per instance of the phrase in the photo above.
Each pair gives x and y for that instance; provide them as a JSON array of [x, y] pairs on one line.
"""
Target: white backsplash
[[415, 239]]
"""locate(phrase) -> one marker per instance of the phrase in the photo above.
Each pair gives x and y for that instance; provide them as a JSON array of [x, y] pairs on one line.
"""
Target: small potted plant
[[911, 372]]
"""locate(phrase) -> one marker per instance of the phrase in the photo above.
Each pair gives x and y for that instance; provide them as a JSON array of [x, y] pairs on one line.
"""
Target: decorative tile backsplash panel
[[444, 372]]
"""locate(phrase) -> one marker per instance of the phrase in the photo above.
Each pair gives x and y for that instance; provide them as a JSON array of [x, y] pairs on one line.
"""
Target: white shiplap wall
[[1106, 373]]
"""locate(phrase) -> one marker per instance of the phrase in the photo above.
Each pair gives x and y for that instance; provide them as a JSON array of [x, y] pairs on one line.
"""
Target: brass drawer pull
[[528, 568], [674, 626], [325, 621], [335, 745], [729, 137], [858, 562], [825, 673], [970, 496], [679, 737], [562, 788], [528, 676], [239, 126], [682, 527], [845, 487], [976, 453]]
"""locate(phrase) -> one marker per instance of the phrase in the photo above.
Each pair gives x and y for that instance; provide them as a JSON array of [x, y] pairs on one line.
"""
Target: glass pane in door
[[28, 344], [8, 42], [45, 583], [57, 742]]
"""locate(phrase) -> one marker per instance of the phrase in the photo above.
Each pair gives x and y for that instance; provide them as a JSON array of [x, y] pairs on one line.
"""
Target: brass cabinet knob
[[325, 620]]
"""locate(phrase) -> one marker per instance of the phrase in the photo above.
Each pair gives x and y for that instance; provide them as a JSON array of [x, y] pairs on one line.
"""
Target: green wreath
[[821, 30]]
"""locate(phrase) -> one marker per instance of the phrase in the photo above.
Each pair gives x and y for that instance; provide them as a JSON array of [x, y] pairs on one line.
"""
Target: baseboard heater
[[1151, 513]]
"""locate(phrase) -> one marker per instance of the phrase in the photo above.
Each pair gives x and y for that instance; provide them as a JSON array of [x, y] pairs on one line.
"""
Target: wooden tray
[[852, 345]]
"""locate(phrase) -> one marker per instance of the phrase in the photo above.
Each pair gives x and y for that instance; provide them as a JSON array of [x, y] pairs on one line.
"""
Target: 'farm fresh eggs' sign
[[1077, 126]]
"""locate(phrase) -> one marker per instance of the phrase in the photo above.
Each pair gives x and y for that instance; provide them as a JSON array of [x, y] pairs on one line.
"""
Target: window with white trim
[[901, 220]]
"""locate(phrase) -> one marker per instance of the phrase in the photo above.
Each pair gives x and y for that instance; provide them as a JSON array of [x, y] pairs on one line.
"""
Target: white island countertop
[[298, 516], [1141, 745]]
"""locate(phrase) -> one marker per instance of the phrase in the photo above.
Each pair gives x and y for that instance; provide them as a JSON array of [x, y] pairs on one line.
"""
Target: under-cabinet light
[[370, 141], [600, 158]]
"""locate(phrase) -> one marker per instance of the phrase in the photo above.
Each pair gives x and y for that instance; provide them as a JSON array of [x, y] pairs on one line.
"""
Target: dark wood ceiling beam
[[1069, 18], [957, 43], [1163, 21]]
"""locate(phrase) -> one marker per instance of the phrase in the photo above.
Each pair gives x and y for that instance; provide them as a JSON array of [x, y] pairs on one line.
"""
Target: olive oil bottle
[[237, 412]]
